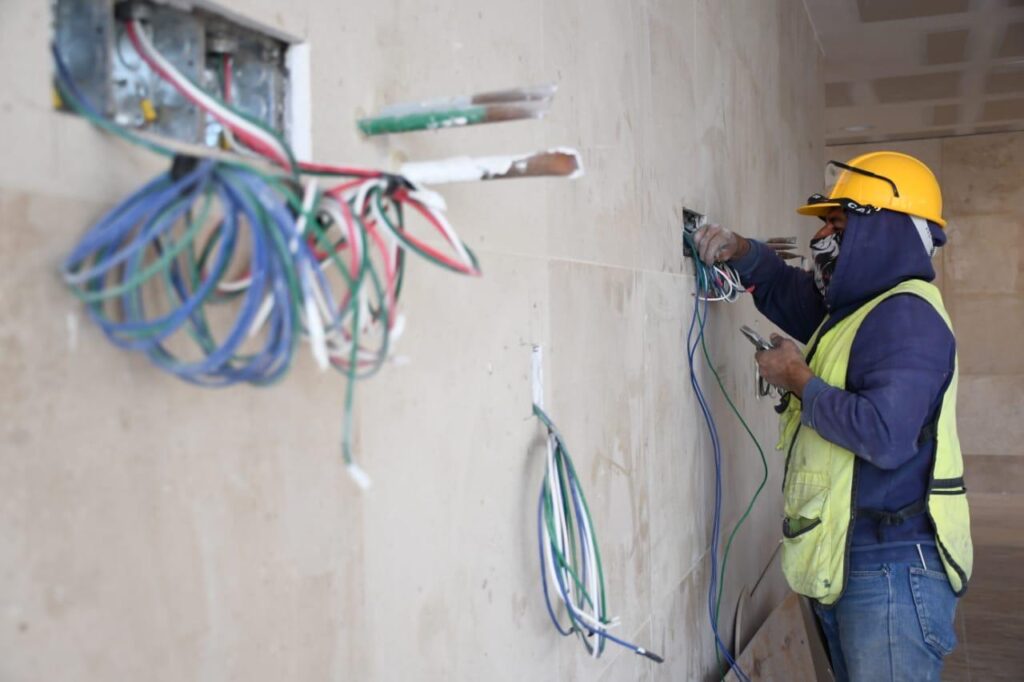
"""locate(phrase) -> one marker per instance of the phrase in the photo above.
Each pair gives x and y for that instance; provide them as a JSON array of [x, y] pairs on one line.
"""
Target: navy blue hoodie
[[900, 364]]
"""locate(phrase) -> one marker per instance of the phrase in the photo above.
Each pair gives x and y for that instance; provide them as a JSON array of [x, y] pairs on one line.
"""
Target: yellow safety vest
[[820, 476]]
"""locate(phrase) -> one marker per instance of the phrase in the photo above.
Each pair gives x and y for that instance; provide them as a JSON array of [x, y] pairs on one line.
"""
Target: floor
[[990, 619]]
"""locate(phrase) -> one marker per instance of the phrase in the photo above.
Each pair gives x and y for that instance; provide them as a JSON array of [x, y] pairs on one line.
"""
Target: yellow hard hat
[[889, 180]]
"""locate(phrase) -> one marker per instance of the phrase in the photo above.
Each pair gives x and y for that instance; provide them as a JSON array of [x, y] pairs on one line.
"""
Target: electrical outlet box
[[120, 86], [692, 221]]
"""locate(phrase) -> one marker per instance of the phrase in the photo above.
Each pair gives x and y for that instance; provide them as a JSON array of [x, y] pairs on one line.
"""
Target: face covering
[[825, 252]]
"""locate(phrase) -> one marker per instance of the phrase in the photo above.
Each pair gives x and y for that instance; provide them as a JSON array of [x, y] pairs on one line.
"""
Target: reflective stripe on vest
[[820, 479]]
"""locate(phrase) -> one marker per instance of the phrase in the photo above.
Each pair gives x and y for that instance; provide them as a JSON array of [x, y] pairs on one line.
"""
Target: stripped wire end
[[358, 475]]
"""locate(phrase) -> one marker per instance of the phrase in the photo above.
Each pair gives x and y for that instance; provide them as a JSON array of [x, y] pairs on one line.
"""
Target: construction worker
[[876, 527]]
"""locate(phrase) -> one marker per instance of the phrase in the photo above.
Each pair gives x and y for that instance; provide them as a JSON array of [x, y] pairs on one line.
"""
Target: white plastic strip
[[537, 376], [299, 100], [471, 169]]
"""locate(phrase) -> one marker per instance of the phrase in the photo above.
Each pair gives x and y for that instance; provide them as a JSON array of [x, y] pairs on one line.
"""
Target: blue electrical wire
[[117, 245], [693, 342], [564, 464], [138, 249]]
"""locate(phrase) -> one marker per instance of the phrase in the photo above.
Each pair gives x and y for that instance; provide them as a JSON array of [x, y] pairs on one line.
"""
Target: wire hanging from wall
[[717, 282], [694, 339], [567, 544], [226, 241]]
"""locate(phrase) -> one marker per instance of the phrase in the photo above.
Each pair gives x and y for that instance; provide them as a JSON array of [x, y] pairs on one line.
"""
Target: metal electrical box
[[692, 221], [108, 73]]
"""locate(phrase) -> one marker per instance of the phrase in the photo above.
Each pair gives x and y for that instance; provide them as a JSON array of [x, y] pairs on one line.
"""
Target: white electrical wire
[[569, 554], [334, 336]]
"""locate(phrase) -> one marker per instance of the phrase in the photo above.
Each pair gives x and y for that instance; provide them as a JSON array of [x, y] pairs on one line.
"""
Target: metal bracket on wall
[[692, 221], [109, 73], [785, 247]]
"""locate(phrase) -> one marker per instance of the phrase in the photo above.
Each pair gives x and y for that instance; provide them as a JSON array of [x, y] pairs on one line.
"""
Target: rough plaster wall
[[157, 531]]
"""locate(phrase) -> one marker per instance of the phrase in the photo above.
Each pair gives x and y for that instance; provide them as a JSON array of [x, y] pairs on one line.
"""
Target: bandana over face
[[825, 252]]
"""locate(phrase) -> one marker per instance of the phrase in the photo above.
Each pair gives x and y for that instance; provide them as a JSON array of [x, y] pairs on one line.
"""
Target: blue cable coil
[[116, 249]]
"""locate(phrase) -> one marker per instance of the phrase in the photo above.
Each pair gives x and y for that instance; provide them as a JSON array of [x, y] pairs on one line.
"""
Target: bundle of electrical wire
[[234, 242], [569, 555], [694, 340], [717, 282]]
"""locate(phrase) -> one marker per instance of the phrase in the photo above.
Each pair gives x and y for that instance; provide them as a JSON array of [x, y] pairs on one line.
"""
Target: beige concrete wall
[[152, 530]]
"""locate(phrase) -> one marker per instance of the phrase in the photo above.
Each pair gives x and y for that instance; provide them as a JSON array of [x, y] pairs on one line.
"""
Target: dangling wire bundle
[[718, 282], [151, 238], [230, 242], [694, 338], [569, 555]]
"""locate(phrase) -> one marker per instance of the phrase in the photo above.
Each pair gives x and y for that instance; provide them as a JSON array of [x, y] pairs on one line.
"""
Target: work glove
[[784, 366], [716, 244]]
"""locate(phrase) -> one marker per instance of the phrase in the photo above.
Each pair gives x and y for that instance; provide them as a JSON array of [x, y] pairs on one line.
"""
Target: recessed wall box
[[107, 72]]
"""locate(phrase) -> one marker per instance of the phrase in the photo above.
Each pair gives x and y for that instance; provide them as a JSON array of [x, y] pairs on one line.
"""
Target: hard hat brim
[[819, 210]]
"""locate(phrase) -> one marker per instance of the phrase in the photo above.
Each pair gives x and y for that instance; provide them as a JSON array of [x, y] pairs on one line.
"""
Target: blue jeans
[[894, 621]]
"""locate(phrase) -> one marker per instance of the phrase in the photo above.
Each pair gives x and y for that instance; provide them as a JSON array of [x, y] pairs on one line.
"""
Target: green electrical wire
[[176, 259], [711, 287], [757, 493], [162, 262], [423, 120]]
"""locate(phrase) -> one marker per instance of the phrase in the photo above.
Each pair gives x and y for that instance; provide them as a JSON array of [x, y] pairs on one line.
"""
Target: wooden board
[[737, 628], [784, 647]]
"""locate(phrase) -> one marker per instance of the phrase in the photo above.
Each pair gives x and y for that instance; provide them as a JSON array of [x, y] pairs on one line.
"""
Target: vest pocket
[[794, 528], [804, 559], [806, 494], [951, 517]]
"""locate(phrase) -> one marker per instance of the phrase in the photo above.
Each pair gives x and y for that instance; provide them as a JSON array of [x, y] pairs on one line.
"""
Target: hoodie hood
[[878, 252]]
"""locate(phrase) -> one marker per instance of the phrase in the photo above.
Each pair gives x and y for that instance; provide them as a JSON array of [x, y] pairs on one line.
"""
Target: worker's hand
[[784, 366], [716, 244]]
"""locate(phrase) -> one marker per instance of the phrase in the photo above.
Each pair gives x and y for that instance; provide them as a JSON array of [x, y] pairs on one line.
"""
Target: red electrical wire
[[402, 196], [227, 78], [348, 171]]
